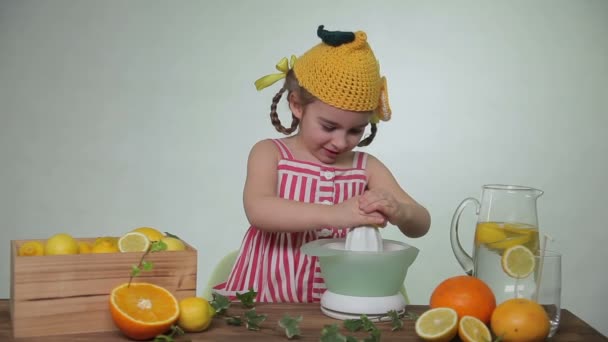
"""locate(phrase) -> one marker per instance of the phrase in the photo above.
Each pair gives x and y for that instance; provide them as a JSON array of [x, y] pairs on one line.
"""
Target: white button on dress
[[329, 175]]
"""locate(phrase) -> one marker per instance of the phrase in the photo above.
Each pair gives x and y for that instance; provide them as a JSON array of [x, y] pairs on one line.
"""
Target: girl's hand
[[380, 201], [348, 214]]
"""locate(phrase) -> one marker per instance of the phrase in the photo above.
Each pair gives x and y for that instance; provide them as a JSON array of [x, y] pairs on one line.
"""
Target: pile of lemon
[[137, 240]]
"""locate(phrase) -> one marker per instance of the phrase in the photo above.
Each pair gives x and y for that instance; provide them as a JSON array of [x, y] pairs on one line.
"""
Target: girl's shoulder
[[264, 151]]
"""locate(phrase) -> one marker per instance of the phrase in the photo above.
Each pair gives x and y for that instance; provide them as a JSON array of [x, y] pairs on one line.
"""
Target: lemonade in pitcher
[[501, 257]]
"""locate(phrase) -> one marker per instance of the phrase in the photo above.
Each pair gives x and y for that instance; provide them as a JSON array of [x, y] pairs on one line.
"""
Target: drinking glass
[[544, 285]]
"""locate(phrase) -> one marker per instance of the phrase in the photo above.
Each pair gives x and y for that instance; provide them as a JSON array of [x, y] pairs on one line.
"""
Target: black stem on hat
[[335, 38]]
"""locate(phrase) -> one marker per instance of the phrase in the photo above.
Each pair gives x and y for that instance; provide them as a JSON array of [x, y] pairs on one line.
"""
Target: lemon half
[[133, 242], [472, 329], [438, 324]]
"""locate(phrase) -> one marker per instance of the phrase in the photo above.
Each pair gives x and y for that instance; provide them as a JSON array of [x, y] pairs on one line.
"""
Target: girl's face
[[327, 131]]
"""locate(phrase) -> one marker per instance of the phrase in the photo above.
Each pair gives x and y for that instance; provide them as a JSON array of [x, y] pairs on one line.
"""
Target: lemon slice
[[133, 242], [488, 232], [438, 324], [471, 329], [508, 243], [518, 261]]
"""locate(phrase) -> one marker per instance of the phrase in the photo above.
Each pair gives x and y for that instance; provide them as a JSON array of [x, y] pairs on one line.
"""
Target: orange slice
[[518, 262], [143, 310], [471, 329], [437, 325]]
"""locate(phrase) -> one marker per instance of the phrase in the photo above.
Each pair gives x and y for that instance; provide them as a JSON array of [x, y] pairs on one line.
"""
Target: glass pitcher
[[506, 217]]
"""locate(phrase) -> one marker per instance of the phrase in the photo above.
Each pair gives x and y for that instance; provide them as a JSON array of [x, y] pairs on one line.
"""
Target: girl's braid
[[369, 138], [274, 117]]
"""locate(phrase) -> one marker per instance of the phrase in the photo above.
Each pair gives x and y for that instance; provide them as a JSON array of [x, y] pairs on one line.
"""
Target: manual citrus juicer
[[363, 273]]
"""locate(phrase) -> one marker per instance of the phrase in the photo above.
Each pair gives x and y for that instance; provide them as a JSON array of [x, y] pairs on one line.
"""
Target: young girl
[[312, 185]]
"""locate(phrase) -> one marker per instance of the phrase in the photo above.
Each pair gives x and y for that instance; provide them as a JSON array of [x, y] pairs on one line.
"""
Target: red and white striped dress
[[271, 263]]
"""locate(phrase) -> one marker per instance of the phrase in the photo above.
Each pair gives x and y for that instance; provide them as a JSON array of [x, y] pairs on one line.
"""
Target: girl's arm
[[386, 196], [266, 211]]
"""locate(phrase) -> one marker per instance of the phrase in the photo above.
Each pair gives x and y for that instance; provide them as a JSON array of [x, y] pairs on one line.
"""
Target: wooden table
[[571, 328]]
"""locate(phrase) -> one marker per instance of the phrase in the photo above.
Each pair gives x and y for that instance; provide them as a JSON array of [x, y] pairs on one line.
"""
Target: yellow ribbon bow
[[283, 66], [383, 112]]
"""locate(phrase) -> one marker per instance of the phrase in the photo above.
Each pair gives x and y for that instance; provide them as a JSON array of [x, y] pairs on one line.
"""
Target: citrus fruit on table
[[471, 329], [520, 320], [468, 295], [112, 240], [518, 262], [133, 242], [84, 247], [143, 310], [153, 234], [195, 314], [438, 325], [105, 245], [31, 248], [59, 244], [173, 244]]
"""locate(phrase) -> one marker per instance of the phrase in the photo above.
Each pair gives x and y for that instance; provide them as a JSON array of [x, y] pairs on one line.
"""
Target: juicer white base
[[351, 307]]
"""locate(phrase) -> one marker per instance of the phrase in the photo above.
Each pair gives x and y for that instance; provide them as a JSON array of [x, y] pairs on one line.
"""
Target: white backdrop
[[119, 114]]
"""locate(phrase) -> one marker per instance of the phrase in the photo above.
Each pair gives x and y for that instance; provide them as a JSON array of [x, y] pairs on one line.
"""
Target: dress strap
[[285, 153], [360, 160]]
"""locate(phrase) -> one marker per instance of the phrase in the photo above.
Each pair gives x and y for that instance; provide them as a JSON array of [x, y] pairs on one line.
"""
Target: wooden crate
[[64, 294]]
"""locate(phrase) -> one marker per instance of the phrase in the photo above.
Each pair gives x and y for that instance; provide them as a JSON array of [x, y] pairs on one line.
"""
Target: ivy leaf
[[367, 324], [396, 322], [171, 235], [247, 298], [234, 320], [353, 324], [373, 337], [410, 315], [331, 333], [135, 271], [175, 330], [291, 325], [253, 320], [220, 303], [147, 266], [157, 246]]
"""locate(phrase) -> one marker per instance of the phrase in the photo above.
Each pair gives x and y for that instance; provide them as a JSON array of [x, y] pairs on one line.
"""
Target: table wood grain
[[571, 329]]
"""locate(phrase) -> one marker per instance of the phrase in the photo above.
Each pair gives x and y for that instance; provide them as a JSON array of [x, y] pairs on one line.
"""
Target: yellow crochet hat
[[343, 72]]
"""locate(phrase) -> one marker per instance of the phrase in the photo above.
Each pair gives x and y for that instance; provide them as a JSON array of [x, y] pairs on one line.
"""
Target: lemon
[[518, 261], [61, 244], [173, 244], [104, 246], [31, 248], [84, 247], [195, 314], [106, 240], [133, 242], [471, 329], [153, 234], [438, 324]]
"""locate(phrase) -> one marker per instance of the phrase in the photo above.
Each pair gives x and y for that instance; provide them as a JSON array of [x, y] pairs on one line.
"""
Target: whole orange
[[468, 295], [520, 320]]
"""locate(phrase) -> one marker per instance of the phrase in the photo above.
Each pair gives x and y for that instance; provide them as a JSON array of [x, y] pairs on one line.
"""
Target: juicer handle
[[464, 259]]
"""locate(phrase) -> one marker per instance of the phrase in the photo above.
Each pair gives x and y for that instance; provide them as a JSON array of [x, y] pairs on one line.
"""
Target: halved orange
[[143, 310]]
